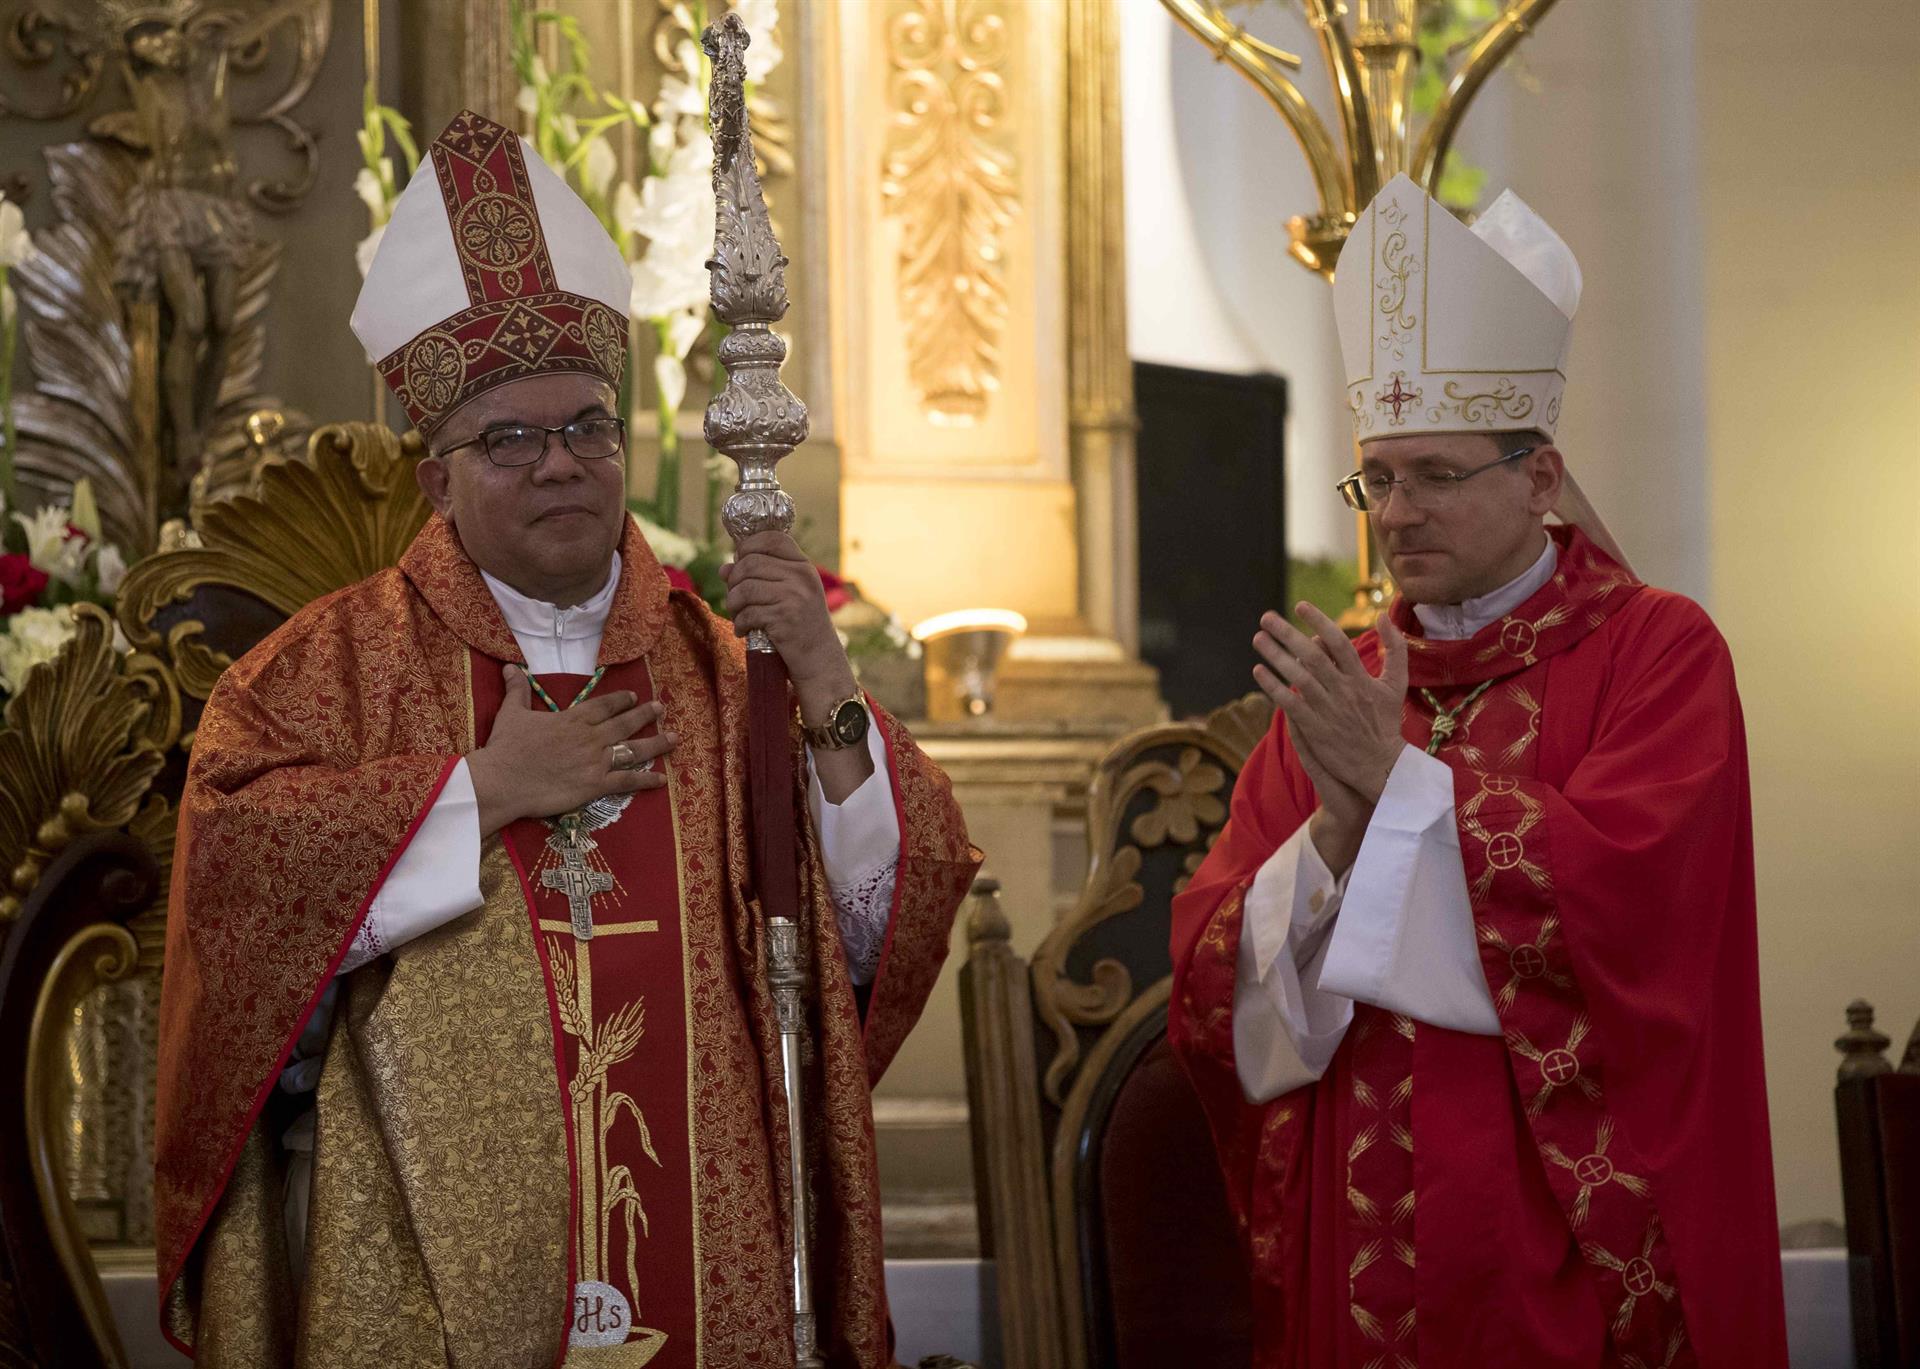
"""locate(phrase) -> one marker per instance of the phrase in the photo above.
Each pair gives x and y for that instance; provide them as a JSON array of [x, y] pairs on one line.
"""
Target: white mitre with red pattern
[[490, 269], [1450, 329]]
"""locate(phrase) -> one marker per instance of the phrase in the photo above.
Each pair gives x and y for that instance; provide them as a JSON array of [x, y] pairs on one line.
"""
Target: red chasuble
[[549, 1131], [1595, 1188]]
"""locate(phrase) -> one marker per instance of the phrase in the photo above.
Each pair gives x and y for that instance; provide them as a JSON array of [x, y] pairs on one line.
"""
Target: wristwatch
[[846, 726]]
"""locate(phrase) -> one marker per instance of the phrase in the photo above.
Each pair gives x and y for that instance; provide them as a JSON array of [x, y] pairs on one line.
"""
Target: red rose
[[679, 579], [20, 583], [839, 593]]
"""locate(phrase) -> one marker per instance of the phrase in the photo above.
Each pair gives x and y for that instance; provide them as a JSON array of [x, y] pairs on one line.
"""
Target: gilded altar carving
[[950, 175], [143, 307], [351, 508]]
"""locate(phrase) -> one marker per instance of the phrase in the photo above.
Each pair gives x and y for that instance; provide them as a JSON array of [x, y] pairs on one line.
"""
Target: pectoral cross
[[579, 883]]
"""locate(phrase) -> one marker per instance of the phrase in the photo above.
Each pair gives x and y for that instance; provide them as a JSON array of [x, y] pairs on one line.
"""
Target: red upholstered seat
[[1176, 1277]]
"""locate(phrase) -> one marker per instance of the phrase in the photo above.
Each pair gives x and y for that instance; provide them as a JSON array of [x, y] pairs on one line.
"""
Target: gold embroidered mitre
[[1448, 329]]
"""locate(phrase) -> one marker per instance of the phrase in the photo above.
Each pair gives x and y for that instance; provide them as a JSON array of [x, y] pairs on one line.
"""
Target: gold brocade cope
[[443, 1214]]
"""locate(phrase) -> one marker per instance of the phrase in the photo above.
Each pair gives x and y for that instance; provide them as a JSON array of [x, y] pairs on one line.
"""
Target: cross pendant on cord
[[579, 884]]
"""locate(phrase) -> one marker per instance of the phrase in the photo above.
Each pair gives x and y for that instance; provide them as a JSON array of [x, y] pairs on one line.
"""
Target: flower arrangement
[[49, 560]]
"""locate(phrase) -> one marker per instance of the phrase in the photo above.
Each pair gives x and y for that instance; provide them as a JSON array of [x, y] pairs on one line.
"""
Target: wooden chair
[[1100, 1199], [92, 757], [1878, 1105]]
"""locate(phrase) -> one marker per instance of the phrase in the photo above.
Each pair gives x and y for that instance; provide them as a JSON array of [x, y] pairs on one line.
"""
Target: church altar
[[970, 450]]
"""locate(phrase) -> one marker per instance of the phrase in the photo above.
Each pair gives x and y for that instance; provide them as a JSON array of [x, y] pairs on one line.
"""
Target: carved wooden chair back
[[1878, 1108], [1100, 1200]]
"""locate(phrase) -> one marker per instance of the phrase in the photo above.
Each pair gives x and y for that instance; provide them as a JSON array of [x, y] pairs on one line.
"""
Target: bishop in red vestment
[[1468, 986], [468, 1054]]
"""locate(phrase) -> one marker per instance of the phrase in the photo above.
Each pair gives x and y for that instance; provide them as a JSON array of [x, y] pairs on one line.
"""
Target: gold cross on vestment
[[579, 883]]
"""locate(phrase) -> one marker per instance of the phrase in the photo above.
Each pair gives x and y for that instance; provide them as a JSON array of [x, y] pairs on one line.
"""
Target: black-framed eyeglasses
[[1424, 489], [522, 444]]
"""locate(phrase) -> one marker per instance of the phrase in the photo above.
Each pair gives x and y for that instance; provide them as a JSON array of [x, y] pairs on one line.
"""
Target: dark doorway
[[1213, 544]]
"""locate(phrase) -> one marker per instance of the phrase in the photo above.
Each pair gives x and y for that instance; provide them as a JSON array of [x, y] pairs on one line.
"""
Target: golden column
[[1373, 66]]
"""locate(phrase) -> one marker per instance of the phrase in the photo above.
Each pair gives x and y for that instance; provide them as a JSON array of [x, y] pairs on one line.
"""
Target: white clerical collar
[[542, 628], [1457, 622]]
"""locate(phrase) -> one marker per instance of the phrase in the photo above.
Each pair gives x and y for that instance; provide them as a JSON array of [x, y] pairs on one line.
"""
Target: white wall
[[1212, 176]]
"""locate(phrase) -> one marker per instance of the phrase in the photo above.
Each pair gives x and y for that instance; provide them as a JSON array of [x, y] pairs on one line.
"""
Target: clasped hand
[[1344, 721]]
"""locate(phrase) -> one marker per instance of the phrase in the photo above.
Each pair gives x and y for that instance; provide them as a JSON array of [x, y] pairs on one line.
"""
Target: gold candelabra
[[1373, 56]]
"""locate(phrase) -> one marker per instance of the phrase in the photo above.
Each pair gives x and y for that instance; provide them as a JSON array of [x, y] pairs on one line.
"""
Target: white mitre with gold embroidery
[[1450, 329]]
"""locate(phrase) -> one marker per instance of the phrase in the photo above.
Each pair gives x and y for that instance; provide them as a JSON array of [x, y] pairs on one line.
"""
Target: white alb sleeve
[[860, 846], [1405, 937], [436, 879], [1286, 1026]]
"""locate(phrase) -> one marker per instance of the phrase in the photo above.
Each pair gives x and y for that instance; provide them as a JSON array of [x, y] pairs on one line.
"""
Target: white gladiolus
[[363, 253], [626, 204], [111, 567], [9, 306], [684, 329], [662, 286], [670, 548], [372, 194], [528, 100], [675, 214], [763, 51], [661, 138], [596, 172], [16, 244], [671, 377], [33, 636]]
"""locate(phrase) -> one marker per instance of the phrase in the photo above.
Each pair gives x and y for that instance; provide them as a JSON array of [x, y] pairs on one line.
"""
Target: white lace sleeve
[[863, 909], [860, 846], [368, 946]]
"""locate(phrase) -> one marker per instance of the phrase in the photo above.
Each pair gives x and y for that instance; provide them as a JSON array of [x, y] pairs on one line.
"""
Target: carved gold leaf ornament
[[949, 175], [351, 507], [83, 740]]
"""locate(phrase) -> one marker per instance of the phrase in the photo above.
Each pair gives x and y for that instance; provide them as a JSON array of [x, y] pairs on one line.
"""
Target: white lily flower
[[671, 377], [46, 530], [111, 568], [33, 636], [596, 172], [363, 252], [16, 244]]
